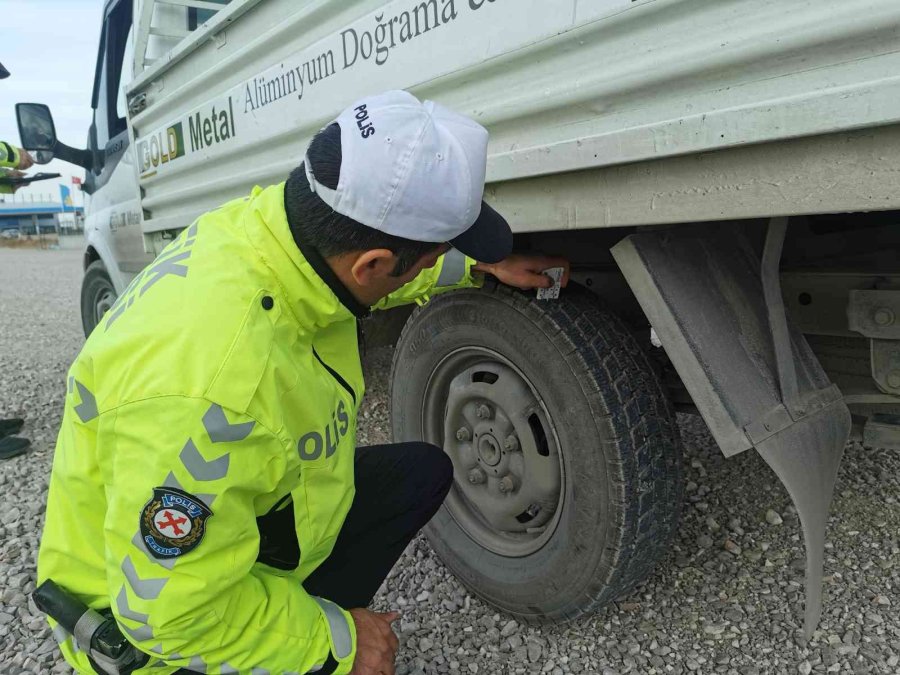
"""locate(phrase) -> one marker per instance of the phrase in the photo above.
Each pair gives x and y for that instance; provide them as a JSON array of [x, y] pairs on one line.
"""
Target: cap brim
[[489, 240], [4, 73]]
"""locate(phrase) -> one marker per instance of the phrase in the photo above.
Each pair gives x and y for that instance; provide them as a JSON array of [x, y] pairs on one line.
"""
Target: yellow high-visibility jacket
[[224, 383], [9, 155]]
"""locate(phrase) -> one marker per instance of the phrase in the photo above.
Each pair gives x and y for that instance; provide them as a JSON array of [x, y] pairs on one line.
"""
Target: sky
[[50, 49]]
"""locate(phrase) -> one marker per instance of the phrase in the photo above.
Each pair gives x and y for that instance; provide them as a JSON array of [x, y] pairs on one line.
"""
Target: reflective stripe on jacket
[[227, 373]]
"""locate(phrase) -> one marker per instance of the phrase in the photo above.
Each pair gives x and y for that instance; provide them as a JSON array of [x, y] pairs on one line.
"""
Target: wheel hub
[[489, 450], [105, 300], [508, 469]]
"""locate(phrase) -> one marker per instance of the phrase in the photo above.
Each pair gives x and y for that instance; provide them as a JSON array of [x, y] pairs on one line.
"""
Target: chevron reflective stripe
[[166, 267], [220, 431], [145, 589], [201, 469], [173, 482], [140, 634], [87, 409], [340, 631], [259, 671], [191, 234], [229, 670], [126, 611], [168, 563], [197, 665], [453, 269]]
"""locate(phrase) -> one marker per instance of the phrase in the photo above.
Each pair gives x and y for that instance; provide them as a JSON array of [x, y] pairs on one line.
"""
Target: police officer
[[11, 159], [206, 486]]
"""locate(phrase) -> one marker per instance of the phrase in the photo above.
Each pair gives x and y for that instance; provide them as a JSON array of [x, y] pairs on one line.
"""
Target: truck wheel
[[97, 295], [566, 454]]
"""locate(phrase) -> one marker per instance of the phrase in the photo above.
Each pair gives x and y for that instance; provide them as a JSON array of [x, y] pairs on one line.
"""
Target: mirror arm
[[82, 158]]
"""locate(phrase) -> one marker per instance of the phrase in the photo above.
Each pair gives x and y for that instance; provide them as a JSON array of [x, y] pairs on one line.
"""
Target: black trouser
[[399, 487]]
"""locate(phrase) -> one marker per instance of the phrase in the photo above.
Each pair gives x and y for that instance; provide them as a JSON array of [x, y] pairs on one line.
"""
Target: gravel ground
[[727, 600]]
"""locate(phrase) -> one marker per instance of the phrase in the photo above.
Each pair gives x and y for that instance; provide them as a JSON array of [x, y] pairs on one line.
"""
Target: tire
[[97, 295], [589, 399]]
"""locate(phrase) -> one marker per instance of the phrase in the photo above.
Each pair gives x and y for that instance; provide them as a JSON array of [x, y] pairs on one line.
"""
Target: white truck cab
[[114, 243], [721, 175]]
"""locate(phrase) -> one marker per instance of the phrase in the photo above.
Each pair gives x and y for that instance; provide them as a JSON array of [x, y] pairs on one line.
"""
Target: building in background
[[28, 218], [23, 215]]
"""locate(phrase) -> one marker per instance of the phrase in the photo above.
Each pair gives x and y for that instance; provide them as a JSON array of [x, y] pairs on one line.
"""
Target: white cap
[[416, 170]]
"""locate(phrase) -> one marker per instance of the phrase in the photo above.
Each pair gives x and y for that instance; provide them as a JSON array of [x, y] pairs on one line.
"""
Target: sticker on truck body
[[551, 293]]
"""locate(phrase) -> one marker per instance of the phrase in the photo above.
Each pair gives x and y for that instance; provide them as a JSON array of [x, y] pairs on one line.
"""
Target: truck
[[722, 177]]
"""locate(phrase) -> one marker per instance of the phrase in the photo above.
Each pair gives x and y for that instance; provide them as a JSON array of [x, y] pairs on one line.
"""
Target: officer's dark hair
[[316, 224]]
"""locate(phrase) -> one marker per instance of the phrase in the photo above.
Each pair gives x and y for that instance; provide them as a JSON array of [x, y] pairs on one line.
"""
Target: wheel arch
[[90, 255]]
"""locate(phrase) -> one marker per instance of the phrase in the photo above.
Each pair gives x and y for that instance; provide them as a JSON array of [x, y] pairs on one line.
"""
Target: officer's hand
[[376, 644], [26, 161], [524, 271]]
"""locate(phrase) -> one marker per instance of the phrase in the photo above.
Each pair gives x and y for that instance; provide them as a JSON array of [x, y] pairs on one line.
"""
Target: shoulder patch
[[173, 522]]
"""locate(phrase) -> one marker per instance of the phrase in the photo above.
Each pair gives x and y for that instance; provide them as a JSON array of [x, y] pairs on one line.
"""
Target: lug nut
[[477, 476], [508, 484], [511, 443], [462, 434], [884, 317], [484, 412]]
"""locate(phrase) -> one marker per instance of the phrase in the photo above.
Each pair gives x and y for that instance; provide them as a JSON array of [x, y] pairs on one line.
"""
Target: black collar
[[323, 269]]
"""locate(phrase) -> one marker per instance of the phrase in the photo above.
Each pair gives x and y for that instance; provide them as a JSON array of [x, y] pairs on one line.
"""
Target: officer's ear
[[371, 268]]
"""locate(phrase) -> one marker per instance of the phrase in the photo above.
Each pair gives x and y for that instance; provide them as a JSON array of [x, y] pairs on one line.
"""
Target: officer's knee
[[438, 467], [444, 472]]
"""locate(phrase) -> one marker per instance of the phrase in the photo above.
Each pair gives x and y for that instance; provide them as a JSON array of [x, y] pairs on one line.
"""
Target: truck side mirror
[[36, 129], [38, 134]]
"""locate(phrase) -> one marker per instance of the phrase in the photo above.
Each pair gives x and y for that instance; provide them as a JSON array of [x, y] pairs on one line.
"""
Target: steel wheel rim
[[106, 298], [513, 506]]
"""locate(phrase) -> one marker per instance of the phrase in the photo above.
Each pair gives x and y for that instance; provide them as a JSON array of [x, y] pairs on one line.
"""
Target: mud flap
[[714, 299]]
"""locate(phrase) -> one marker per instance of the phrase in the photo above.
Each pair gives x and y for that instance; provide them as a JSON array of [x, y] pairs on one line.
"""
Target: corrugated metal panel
[[563, 85]]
